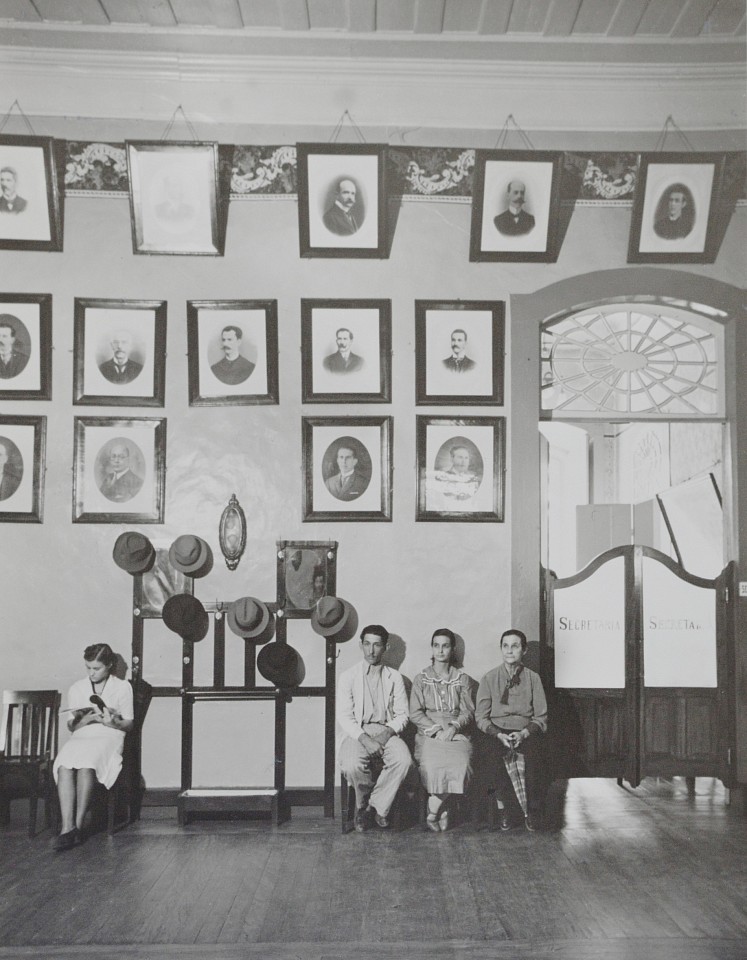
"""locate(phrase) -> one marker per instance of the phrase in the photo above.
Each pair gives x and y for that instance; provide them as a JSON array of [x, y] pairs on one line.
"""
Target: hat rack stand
[[275, 799]]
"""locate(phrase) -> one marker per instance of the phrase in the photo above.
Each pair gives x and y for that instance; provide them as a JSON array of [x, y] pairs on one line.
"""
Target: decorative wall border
[[414, 173]]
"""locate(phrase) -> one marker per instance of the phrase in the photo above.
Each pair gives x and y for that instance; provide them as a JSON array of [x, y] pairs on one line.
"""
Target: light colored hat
[[335, 619], [191, 555], [185, 615], [281, 665], [134, 552], [251, 619]]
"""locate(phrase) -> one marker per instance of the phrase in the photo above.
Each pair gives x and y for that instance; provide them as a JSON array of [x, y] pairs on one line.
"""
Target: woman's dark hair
[[511, 632], [451, 637], [101, 652]]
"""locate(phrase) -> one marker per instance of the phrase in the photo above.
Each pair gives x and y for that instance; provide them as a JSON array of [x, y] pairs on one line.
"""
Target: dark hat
[[334, 619], [280, 664], [134, 552], [251, 619], [191, 555], [185, 615]]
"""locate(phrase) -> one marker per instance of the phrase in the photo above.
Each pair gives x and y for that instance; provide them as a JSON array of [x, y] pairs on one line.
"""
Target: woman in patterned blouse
[[442, 708]]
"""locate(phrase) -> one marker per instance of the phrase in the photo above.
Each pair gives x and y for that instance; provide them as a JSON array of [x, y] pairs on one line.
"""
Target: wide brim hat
[[134, 552], [335, 619], [191, 555], [280, 664], [251, 619], [185, 615]]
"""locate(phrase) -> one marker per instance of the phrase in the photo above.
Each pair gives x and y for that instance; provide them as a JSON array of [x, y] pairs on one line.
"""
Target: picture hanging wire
[[671, 127], [170, 124], [26, 120], [511, 126], [353, 124]]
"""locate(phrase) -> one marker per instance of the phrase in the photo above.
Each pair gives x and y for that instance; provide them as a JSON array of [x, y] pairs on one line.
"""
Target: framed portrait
[[232, 352], [306, 572], [459, 348], [461, 468], [119, 352], [175, 200], [347, 468], [22, 446], [346, 348], [342, 199], [119, 470], [31, 202], [153, 588], [515, 206], [674, 208], [25, 346]]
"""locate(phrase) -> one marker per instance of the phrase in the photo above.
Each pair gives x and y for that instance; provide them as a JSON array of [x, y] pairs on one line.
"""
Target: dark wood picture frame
[[22, 452], [26, 326], [532, 236], [355, 367], [133, 450], [176, 203], [367, 494], [306, 571], [31, 168], [326, 228], [472, 332], [246, 372], [461, 469], [675, 207], [119, 352]]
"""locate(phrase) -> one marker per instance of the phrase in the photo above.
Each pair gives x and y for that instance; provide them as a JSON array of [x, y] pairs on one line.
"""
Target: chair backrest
[[30, 724]]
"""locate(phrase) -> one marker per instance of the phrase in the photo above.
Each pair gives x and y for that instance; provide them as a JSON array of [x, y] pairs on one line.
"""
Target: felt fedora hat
[[280, 664], [191, 555], [185, 615], [251, 619], [134, 552], [334, 619]]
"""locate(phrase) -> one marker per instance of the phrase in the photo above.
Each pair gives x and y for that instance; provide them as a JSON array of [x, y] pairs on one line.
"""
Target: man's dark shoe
[[530, 823], [503, 820], [361, 819], [65, 841], [380, 821]]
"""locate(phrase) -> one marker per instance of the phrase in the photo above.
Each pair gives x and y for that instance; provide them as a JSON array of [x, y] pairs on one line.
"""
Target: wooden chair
[[28, 740], [125, 798]]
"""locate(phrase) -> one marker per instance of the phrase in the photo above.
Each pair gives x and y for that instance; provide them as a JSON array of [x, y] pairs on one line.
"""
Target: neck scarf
[[513, 681]]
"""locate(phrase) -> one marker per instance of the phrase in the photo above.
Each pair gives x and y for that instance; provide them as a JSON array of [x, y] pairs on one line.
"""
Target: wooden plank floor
[[620, 874]]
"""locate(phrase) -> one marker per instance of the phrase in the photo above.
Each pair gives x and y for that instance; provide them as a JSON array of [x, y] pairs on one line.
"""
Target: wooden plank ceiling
[[636, 20]]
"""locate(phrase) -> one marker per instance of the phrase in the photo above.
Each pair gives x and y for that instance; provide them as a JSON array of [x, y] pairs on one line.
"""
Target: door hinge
[[726, 594], [728, 756]]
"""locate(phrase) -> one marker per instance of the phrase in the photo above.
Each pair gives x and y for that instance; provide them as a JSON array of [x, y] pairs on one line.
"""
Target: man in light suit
[[372, 711], [515, 221]]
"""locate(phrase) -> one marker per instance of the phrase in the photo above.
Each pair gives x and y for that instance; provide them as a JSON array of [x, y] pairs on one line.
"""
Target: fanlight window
[[632, 361]]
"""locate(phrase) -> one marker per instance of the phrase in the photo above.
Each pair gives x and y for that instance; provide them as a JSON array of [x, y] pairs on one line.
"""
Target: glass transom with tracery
[[632, 361]]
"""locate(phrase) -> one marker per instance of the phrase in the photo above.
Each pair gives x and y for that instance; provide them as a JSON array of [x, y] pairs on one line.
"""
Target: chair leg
[[33, 805], [345, 817]]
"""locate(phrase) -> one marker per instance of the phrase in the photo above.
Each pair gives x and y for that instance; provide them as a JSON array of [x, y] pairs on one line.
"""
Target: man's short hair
[[6, 320], [347, 330], [119, 443], [678, 188], [236, 330], [511, 632], [11, 170], [377, 630], [346, 446], [459, 330]]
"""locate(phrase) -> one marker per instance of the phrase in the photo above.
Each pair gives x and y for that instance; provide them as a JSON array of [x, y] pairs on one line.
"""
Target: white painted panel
[[679, 630], [590, 630]]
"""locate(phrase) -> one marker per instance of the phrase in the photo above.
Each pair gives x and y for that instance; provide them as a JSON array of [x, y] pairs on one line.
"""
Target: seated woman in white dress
[[442, 708], [94, 752]]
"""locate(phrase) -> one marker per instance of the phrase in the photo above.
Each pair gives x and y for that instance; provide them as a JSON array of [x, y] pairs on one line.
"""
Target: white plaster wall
[[61, 590]]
